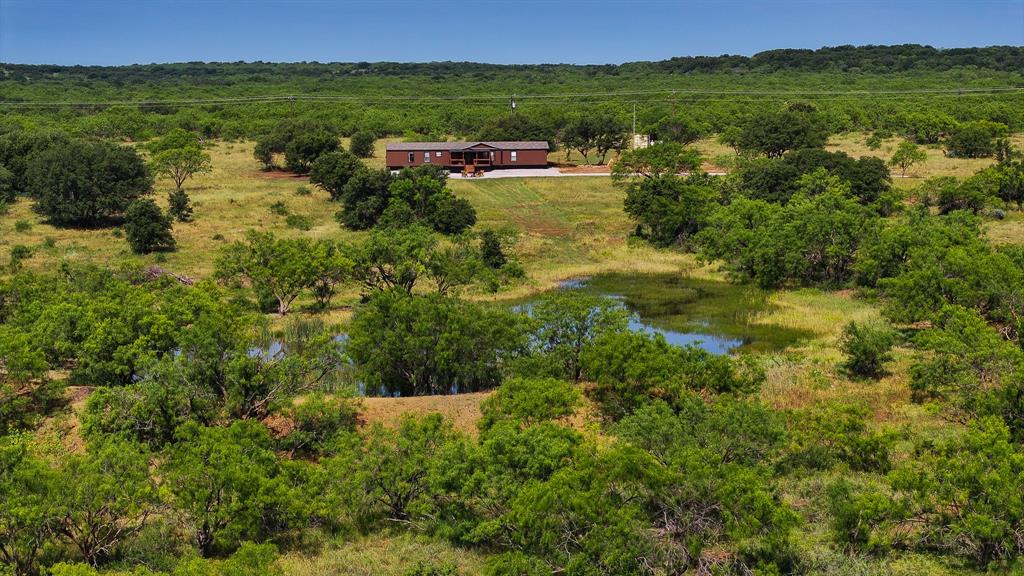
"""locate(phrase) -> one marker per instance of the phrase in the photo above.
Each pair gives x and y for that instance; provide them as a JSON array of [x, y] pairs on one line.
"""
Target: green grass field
[[568, 226]]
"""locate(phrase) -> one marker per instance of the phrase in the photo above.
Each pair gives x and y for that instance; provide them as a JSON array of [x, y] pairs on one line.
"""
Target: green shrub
[[332, 171], [303, 190], [279, 208], [630, 369], [19, 253], [22, 226], [305, 147], [430, 344], [148, 411], [970, 368], [822, 438], [85, 183], [394, 473], [974, 139], [490, 249], [811, 239], [949, 195], [529, 401], [7, 190], [109, 485], [77, 569], [178, 205], [264, 153], [414, 195], [738, 430], [26, 394], [362, 144], [867, 348], [251, 559], [773, 133], [228, 486], [317, 422], [147, 228], [516, 564], [565, 322], [299, 222], [863, 514], [967, 495]]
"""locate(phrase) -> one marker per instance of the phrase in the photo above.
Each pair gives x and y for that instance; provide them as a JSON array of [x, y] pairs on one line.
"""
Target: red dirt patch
[[77, 395], [279, 425]]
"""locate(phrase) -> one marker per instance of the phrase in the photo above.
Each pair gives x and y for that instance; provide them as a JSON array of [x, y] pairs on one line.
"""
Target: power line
[[676, 94]]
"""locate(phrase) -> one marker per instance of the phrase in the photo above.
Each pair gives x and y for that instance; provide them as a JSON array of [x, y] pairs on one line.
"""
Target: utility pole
[[634, 124]]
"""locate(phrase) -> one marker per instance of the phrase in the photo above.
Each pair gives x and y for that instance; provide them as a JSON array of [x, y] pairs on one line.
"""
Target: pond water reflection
[[716, 316]]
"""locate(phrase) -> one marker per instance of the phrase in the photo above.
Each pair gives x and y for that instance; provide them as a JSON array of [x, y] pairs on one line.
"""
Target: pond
[[716, 316]]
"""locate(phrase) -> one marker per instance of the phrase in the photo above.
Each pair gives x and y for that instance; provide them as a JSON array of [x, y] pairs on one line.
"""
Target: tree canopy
[[82, 183]]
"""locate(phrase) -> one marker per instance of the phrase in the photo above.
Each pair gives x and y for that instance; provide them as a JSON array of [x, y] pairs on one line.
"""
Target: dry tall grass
[[381, 555]]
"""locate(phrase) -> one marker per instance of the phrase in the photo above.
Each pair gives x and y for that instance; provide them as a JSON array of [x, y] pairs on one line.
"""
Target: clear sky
[[505, 31]]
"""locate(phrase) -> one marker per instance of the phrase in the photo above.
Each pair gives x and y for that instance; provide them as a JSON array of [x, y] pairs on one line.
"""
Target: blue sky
[[506, 31]]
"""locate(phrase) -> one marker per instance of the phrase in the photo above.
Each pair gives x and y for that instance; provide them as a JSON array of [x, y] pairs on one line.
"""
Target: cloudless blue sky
[[505, 31]]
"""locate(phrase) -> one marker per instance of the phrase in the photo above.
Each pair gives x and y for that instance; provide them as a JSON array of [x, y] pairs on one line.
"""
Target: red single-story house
[[456, 155]]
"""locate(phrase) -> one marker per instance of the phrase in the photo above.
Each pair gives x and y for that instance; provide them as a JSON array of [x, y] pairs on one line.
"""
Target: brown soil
[[279, 425], [77, 395]]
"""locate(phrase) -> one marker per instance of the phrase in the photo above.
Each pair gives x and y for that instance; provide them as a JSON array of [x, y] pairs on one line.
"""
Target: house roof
[[455, 146]]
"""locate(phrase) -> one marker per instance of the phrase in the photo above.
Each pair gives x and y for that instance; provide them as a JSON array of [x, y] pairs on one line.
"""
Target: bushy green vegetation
[[152, 423], [377, 198], [867, 349], [147, 228], [368, 87], [82, 183]]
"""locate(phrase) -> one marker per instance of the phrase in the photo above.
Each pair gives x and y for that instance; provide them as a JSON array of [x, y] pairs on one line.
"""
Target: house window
[[426, 157], [513, 155], [438, 154], [412, 157]]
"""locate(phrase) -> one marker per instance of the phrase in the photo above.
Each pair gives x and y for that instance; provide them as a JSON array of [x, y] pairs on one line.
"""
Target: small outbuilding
[[458, 155]]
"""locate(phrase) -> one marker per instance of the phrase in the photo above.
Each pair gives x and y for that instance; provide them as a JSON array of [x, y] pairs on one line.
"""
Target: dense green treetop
[[868, 58]]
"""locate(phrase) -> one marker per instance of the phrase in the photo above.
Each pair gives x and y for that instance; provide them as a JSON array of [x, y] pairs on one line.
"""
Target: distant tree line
[[894, 68], [868, 58]]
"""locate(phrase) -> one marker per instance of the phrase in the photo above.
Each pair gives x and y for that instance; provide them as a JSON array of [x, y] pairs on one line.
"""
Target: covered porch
[[480, 155]]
